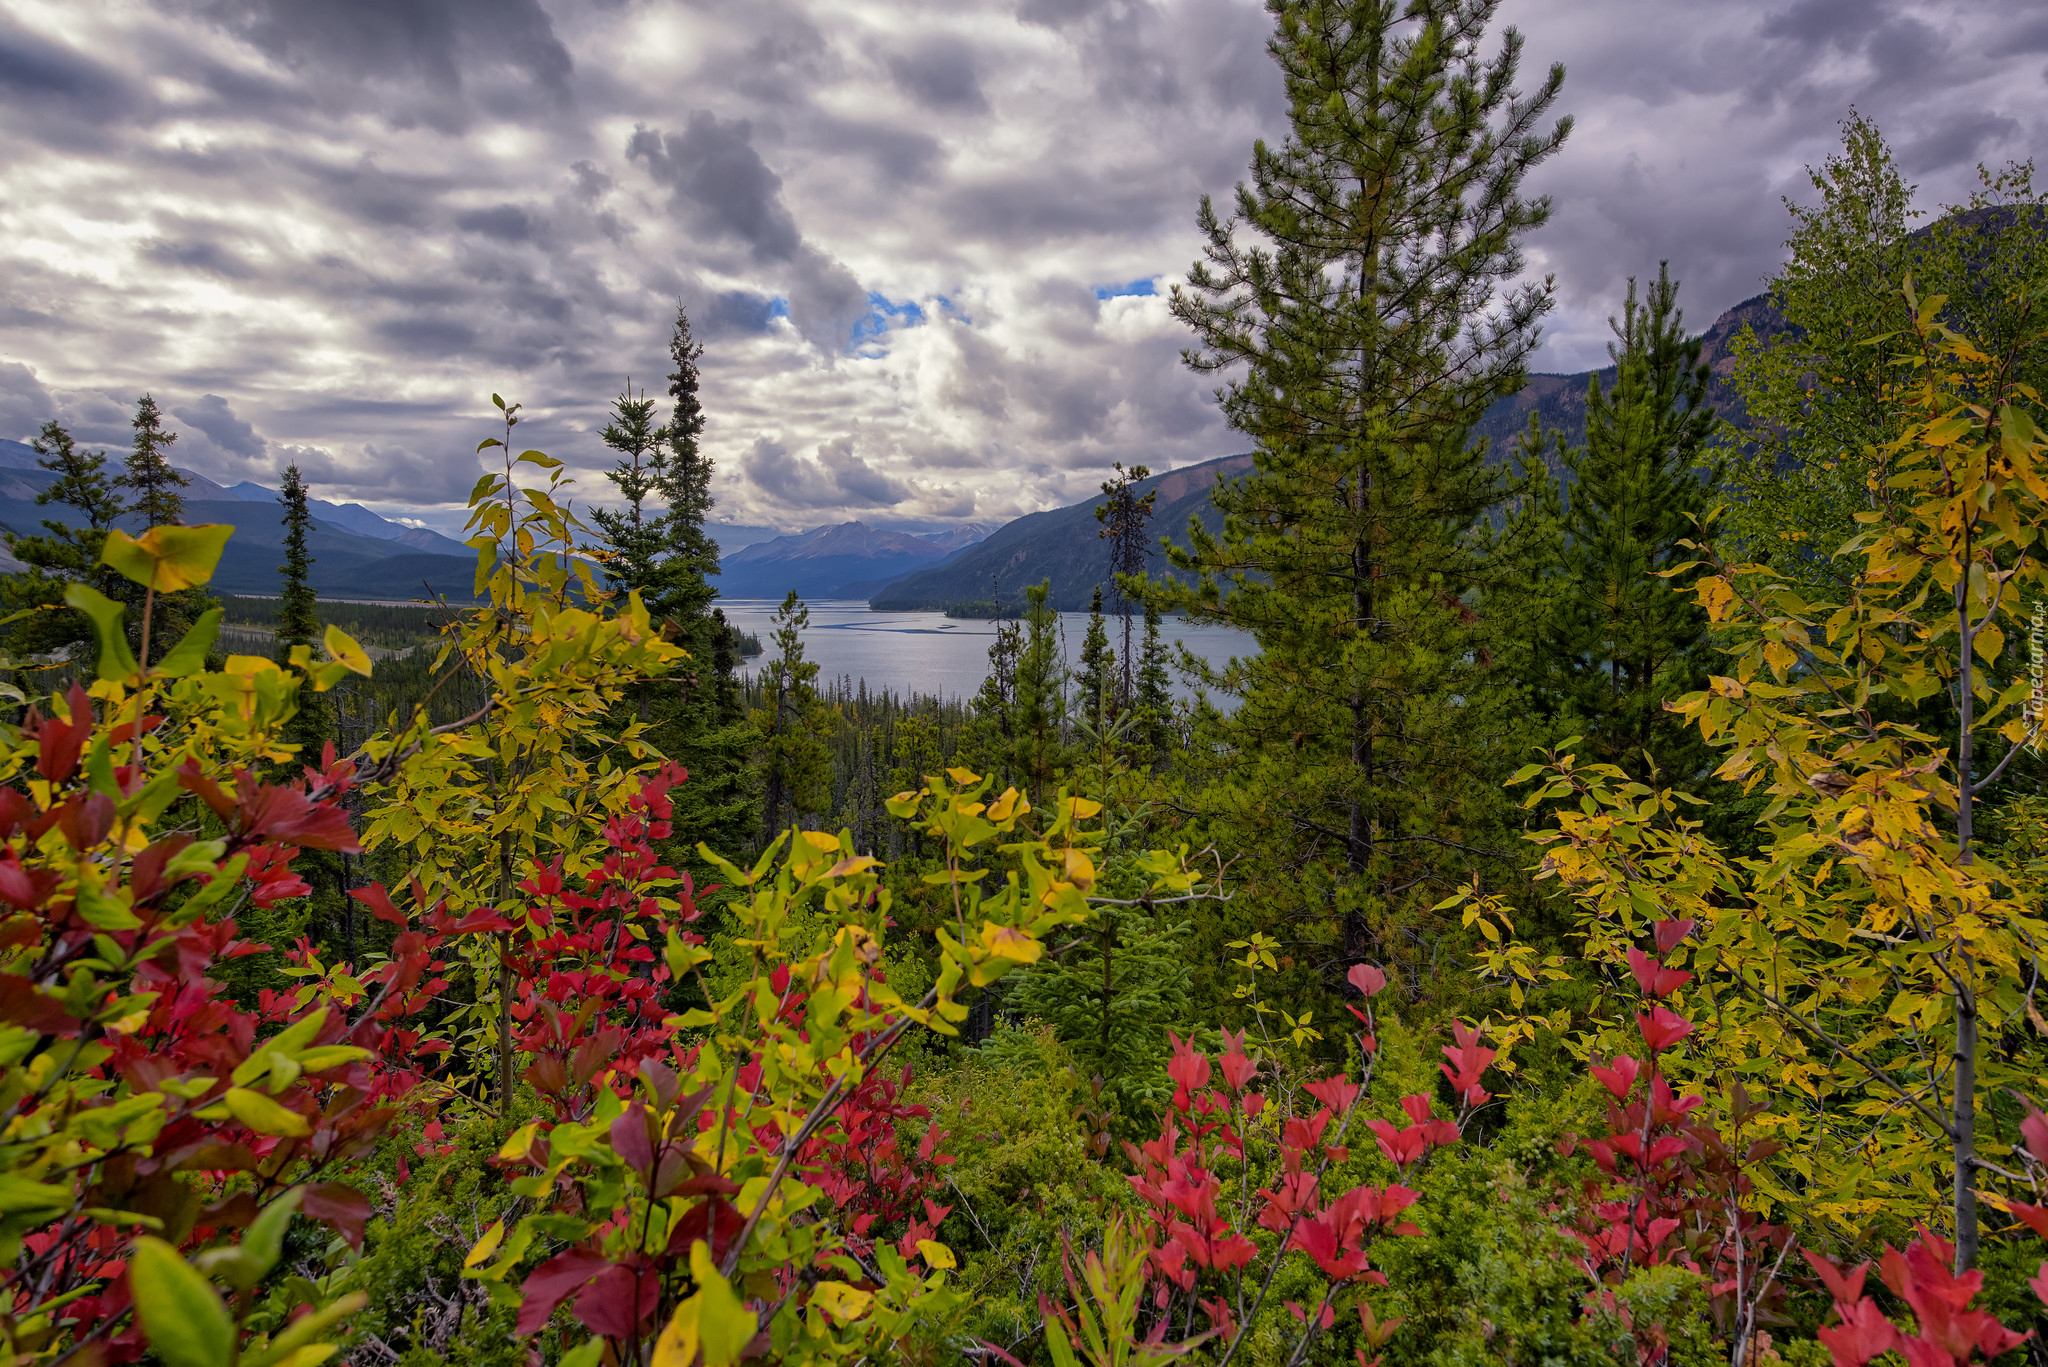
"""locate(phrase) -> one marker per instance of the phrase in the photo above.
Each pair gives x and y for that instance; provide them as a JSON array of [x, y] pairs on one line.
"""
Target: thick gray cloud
[[926, 245]]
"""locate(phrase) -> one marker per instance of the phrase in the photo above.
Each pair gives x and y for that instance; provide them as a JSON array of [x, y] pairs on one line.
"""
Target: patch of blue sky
[[1136, 287], [884, 314]]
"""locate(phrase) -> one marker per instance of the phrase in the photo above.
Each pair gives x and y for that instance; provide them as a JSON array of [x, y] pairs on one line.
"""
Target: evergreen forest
[[1597, 923]]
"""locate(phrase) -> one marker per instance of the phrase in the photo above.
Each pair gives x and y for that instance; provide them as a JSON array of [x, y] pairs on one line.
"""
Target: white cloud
[[321, 231]]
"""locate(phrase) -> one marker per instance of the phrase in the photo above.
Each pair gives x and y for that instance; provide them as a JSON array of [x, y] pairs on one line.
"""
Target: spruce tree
[[155, 501], [1095, 693], [1038, 743], [684, 479], [1155, 690], [633, 537], [991, 738], [1123, 520], [1628, 640], [1358, 295], [633, 541], [795, 764], [298, 618], [150, 480], [66, 552]]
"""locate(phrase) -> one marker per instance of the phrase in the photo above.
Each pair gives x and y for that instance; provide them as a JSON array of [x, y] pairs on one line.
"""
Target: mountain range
[[850, 560], [1061, 544], [357, 554]]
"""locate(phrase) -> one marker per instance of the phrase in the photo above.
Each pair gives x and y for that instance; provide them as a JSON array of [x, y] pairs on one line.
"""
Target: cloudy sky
[[925, 244]]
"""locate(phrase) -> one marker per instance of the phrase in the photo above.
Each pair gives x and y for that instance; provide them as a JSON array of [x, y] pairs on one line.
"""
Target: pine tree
[[1038, 743], [65, 553], [298, 618], [1095, 692], [684, 479], [795, 764], [151, 481], [1627, 640], [1155, 690], [633, 539], [1123, 520], [154, 501], [1367, 327], [991, 741]]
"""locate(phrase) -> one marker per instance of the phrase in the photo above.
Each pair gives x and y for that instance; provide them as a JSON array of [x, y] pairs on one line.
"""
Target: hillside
[[1062, 545], [850, 560], [1560, 400]]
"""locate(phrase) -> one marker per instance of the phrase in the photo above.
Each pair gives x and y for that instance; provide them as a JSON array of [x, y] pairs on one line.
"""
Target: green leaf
[[181, 1315], [264, 1241], [540, 458], [167, 558], [588, 1355], [20, 1196], [189, 655], [116, 662], [265, 1116], [724, 1326]]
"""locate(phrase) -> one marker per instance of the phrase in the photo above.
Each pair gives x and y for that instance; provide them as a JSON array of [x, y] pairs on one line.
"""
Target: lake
[[928, 652]]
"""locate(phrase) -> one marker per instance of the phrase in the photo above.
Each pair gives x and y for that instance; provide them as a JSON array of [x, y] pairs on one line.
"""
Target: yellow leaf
[[818, 840], [521, 1142], [1989, 641], [341, 647], [1011, 803], [167, 559], [1084, 807], [1080, 869], [677, 1346], [937, 1254], [487, 1245], [966, 778], [842, 1302], [1717, 596], [1008, 942], [265, 1116]]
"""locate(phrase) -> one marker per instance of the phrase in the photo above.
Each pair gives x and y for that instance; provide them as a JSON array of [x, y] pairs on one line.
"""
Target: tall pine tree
[[633, 536], [684, 479], [795, 764], [1358, 295], [155, 500], [298, 616], [1123, 518], [153, 485], [1624, 639], [1095, 693]]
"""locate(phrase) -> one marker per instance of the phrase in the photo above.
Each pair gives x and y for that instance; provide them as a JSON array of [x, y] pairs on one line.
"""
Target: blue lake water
[[928, 652]]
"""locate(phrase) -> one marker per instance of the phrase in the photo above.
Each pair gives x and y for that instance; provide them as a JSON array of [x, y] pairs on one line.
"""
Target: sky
[[925, 245]]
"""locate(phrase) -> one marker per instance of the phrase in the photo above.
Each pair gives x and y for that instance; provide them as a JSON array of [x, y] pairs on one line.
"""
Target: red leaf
[[340, 1206], [86, 821], [1671, 933], [58, 742], [379, 902], [618, 1301], [548, 1285], [1366, 978], [1662, 1028], [630, 1140]]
